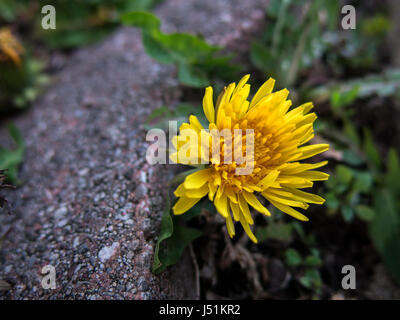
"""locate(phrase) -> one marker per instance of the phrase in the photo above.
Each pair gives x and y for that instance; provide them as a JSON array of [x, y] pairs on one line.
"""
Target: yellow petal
[[307, 107], [231, 195], [208, 105], [247, 229], [298, 167], [305, 196], [295, 182], [290, 211], [230, 226], [313, 175], [245, 209], [197, 179], [221, 204], [184, 204], [269, 195], [195, 123], [268, 179], [180, 191], [235, 210], [312, 150], [264, 90], [212, 190], [198, 193], [253, 201], [242, 82]]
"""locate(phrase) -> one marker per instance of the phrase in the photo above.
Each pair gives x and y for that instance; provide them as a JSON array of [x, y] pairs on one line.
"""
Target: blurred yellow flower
[[10, 48], [277, 174]]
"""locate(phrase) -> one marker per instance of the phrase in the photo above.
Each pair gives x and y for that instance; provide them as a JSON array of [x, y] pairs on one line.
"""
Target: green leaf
[[351, 132], [364, 212], [370, 149], [347, 213], [313, 260], [344, 174], [340, 99], [385, 230], [352, 158], [332, 201], [141, 19], [173, 238], [191, 76], [293, 258], [392, 177], [193, 56], [11, 159], [156, 50], [311, 279], [175, 245], [384, 84], [166, 230], [298, 228], [186, 48], [363, 181]]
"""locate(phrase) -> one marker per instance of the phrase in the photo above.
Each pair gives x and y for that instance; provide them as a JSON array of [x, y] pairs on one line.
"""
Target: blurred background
[[353, 78]]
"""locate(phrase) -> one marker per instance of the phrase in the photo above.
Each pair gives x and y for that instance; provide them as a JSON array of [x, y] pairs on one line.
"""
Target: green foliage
[[385, 225], [20, 85], [174, 236], [293, 258], [376, 26], [278, 230], [369, 194], [9, 9], [78, 22], [196, 60], [339, 99], [347, 188], [370, 150], [84, 22], [295, 40], [384, 84], [10, 159], [308, 267]]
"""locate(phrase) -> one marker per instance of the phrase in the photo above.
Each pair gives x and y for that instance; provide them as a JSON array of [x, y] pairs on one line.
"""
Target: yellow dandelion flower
[[10, 48], [278, 136]]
